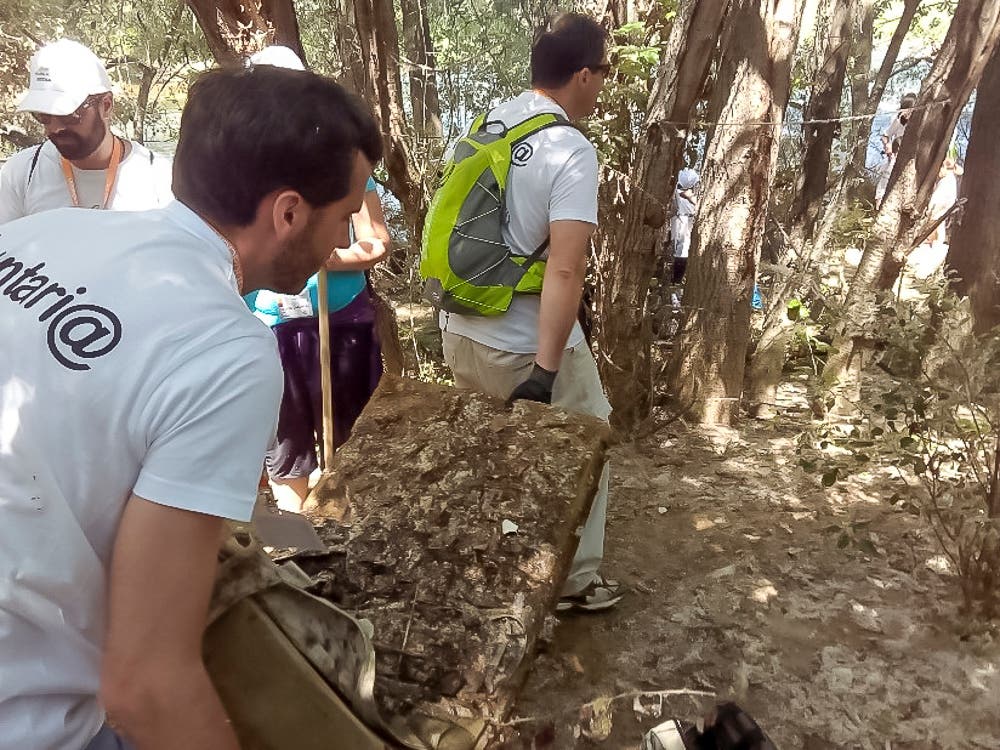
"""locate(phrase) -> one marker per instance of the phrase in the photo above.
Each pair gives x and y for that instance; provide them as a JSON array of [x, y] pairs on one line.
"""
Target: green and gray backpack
[[466, 265]]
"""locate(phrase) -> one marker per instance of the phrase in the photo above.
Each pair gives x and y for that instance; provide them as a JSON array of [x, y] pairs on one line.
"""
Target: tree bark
[[968, 45], [235, 29], [824, 104], [975, 244], [379, 38], [754, 83], [626, 338], [424, 100], [866, 101]]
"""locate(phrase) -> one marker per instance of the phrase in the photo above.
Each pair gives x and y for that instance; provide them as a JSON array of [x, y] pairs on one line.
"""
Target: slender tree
[[866, 91], [379, 39], [625, 337], [753, 86], [824, 104], [424, 101], [974, 253]]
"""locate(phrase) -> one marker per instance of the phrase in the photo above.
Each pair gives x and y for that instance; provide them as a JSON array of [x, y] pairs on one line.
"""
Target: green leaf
[[844, 540], [919, 466], [830, 477]]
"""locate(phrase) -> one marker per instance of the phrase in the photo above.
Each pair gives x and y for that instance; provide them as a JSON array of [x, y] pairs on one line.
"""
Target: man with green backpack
[[505, 253]]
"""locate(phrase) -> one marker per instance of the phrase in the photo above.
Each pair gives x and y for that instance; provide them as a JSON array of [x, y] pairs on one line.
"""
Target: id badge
[[292, 306]]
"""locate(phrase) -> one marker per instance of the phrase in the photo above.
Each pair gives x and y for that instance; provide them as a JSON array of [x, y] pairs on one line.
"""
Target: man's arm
[[372, 242], [154, 686], [562, 288]]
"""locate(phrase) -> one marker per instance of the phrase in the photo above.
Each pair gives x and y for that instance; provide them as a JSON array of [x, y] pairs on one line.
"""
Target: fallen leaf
[[596, 721], [701, 523], [764, 594], [721, 572], [574, 663]]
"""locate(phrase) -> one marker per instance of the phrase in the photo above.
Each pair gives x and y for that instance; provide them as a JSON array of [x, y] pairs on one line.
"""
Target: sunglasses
[[71, 119]]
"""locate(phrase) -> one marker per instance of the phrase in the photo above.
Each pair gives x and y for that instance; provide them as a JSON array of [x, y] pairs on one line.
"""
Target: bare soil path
[[740, 589]]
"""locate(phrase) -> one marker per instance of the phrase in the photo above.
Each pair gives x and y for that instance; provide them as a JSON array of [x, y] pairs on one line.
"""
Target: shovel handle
[[326, 380]]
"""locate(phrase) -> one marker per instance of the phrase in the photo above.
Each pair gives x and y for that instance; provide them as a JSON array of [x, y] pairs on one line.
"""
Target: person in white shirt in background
[[890, 139], [138, 395], [943, 198], [82, 162], [682, 223]]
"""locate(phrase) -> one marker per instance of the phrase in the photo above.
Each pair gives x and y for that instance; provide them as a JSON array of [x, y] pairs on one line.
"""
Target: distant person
[[890, 138], [139, 395], [682, 223], [82, 163], [943, 198], [355, 355]]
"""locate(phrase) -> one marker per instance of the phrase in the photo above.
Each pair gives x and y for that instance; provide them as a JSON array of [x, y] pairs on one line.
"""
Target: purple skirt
[[355, 367]]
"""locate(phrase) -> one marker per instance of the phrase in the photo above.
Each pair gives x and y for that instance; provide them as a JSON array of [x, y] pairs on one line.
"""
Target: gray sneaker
[[600, 594]]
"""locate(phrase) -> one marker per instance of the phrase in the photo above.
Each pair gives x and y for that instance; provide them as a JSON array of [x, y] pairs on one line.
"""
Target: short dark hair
[[569, 43], [907, 101], [247, 132]]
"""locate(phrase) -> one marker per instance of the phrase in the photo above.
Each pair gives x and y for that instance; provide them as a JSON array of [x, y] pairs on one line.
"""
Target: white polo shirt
[[143, 182], [553, 177], [108, 386]]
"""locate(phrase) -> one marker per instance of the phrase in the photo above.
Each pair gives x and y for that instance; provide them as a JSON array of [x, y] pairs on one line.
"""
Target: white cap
[[63, 75], [687, 179], [278, 56]]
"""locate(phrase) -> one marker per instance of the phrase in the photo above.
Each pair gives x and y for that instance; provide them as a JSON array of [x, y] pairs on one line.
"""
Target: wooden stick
[[324, 365]]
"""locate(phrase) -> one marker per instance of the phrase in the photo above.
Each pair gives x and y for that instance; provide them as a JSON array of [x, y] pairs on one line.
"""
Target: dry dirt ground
[[739, 589]]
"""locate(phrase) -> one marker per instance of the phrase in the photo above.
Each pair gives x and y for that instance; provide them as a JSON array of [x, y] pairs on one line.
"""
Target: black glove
[[732, 728], [538, 386]]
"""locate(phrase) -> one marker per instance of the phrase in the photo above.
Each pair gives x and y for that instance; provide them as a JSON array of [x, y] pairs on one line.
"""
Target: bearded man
[[82, 163]]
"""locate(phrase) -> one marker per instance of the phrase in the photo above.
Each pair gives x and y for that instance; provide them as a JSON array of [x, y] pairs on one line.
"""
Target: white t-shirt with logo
[[143, 182], [107, 386], [553, 177]]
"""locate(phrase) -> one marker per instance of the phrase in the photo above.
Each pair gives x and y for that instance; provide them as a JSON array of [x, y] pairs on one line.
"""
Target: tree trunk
[[824, 104], [975, 244], [754, 83], [424, 100], [379, 37], [625, 333], [142, 102], [234, 29], [968, 45], [352, 66], [866, 101]]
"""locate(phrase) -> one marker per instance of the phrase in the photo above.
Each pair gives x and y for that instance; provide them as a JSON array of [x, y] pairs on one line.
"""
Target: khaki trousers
[[577, 388]]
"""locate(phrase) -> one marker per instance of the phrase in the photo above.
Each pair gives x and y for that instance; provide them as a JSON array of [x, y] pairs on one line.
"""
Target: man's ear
[[106, 105], [289, 214]]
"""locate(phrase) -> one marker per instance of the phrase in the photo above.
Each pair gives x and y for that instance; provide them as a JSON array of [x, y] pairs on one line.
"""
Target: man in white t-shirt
[[138, 395], [890, 139], [536, 350], [82, 163]]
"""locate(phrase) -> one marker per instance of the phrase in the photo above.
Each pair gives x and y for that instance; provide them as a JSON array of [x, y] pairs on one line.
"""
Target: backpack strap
[[34, 163]]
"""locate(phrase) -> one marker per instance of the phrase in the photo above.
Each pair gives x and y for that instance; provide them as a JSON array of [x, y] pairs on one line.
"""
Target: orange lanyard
[[110, 175]]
